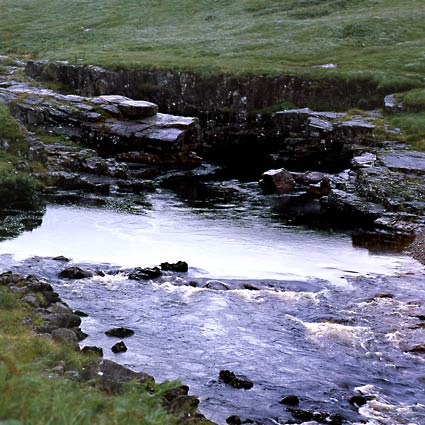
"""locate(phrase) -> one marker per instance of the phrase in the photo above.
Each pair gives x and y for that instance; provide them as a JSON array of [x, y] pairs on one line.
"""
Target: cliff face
[[235, 112]]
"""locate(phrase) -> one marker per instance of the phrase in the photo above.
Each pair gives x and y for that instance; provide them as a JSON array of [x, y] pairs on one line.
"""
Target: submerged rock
[[75, 273], [119, 332], [290, 400], [216, 285], [145, 273], [236, 381], [180, 266]]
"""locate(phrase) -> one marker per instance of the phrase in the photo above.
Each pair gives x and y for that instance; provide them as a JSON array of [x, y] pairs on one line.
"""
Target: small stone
[[290, 400], [120, 332], [119, 347], [61, 258]]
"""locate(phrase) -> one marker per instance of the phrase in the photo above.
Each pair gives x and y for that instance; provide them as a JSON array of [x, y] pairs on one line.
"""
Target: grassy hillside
[[380, 38]]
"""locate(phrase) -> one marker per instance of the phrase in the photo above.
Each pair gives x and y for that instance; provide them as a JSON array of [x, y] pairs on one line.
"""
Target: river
[[321, 319]]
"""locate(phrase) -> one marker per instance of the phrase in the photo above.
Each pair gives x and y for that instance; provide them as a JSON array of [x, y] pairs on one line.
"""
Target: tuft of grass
[[406, 127], [18, 191], [414, 99], [10, 130]]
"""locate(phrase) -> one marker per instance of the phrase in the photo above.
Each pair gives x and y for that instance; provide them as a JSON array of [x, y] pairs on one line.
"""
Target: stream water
[[314, 327]]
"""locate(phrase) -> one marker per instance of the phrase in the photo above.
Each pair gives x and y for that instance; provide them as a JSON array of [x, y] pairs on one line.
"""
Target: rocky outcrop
[[382, 191], [235, 112], [113, 125]]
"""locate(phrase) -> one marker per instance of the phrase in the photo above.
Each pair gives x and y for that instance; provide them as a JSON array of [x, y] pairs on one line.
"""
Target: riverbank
[[45, 377]]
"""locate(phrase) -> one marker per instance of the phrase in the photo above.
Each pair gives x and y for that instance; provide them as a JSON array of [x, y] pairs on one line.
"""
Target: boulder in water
[[119, 347], [75, 273], [120, 332], [236, 381], [145, 273], [180, 266]]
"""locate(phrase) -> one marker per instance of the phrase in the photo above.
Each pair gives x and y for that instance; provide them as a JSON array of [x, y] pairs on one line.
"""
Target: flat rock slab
[[137, 108], [408, 161]]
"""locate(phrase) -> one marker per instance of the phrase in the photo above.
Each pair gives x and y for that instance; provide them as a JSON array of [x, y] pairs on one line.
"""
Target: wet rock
[[381, 295], [119, 332], [250, 287], [75, 273], [290, 400], [278, 181], [119, 347], [300, 414], [180, 266], [320, 417], [417, 349], [61, 258], [236, 381], [80, 334], [392, 105], [145, 273], [136, 186], [111, 376], [80, 313], [234, 420], [357, 400], [67, 336], [92, 350], [216, 285]]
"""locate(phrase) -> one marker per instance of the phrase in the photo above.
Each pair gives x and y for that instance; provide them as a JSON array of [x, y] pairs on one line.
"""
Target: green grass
[[379, 39], [29, 396], [9, 127], [413, 98]]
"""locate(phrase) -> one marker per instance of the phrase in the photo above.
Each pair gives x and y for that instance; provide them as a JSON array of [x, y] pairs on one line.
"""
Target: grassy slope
[[383, 38]]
